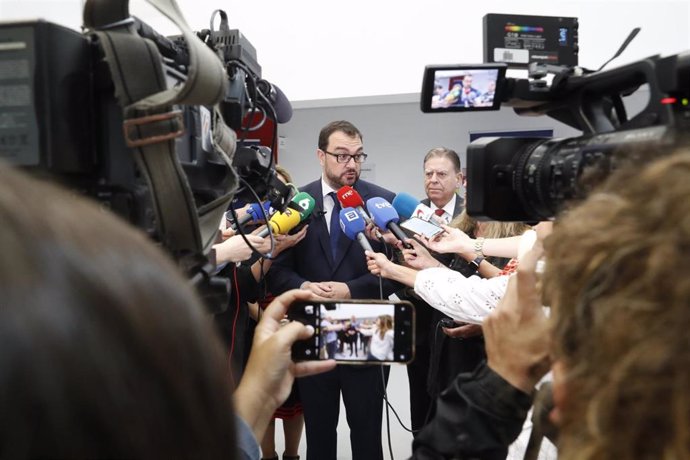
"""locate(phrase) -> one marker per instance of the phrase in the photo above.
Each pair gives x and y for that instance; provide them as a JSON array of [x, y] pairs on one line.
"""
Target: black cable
[[388, 421], [263, 212]]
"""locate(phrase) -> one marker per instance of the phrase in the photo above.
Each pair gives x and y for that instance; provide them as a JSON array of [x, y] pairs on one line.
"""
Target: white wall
[[320, 49]]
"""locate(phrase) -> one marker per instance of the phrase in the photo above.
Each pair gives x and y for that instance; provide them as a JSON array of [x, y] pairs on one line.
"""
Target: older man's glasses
[[346, 157]]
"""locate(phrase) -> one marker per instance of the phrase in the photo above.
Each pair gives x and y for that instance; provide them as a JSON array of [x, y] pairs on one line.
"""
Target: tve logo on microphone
[[382, 205]]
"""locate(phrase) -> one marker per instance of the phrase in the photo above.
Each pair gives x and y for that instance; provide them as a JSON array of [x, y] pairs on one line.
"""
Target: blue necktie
[[335, 225]]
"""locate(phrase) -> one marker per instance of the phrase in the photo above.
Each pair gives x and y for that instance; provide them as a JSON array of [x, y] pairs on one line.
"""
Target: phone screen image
[[356, 332], [417, 226]]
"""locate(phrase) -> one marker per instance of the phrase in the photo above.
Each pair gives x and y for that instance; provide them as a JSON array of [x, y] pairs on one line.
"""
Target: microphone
[[385, 216], [352, 224], [254, 214], [279, 101], [405, 204], [408, 206], [349, 198], [304, 204], [282, 222]]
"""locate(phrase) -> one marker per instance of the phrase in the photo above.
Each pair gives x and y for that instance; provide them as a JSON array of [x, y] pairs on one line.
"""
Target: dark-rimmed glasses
[[346, 157]]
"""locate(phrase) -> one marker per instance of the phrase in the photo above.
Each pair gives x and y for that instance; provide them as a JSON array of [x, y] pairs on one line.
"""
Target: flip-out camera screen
[[462, 88]]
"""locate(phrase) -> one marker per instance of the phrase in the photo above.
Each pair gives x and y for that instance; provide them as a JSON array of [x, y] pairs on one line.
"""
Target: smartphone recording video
[[462, 88], [416, 226], [356, 332]]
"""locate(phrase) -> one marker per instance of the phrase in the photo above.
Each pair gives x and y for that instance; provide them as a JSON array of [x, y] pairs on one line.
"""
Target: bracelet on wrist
[[479, 247]]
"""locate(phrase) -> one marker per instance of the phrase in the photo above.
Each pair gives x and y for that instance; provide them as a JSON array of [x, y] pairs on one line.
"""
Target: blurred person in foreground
[[105, 350], [616, 338]]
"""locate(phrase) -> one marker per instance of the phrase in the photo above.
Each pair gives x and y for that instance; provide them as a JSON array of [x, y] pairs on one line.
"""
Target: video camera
[[532, 179], [145, 124]]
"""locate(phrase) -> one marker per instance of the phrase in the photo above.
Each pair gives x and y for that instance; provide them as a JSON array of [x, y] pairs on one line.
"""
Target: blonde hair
[[283, 172], [385, 324], [621, 315], [489, 229]]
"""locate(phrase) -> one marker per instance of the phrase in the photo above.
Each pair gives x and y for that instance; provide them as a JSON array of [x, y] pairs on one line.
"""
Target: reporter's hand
[[517, 332], [463, 331], [418, 257], [283, 242], [235, 249], [374, 233], [452, 240], [378, 264], [270, 371]]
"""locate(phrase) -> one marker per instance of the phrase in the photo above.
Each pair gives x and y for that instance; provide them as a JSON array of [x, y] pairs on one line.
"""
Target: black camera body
[[533, 179], [63, 118], [522, 179]]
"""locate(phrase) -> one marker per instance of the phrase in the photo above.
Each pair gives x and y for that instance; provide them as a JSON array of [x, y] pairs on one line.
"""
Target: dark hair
[[335, 126], [444, 152], [104, 349]]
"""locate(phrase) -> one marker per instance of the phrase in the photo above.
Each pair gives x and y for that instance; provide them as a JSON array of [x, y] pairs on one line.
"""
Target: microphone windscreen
[[281, 105], [405, 204], [304, 203], [351, 222], [382, 212], [283, 222], [255, 212], [349, 197]]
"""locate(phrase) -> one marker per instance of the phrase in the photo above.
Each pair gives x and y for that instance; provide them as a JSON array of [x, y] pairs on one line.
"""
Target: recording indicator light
[[669, 100]]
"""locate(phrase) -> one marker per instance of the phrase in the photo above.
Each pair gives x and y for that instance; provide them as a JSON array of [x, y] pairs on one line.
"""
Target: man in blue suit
[[331, 265]]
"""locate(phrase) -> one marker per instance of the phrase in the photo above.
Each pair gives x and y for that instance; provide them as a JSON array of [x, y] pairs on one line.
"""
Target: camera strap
[[151, 122]]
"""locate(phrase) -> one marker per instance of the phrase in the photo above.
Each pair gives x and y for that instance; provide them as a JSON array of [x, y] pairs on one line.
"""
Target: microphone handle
[[264, 232], [364, 242], [368, 220], [399, 234]]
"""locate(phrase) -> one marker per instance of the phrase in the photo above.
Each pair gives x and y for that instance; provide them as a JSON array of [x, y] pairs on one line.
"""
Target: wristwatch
[[477, 262]]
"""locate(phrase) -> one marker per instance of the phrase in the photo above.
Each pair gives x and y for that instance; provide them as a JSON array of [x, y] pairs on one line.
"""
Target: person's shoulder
[[310, 186], [373, 189]]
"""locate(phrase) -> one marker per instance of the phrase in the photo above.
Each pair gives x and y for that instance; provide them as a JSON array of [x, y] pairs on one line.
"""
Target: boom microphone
[[282, 222], [386, 217], [353, 225], [279, 101]]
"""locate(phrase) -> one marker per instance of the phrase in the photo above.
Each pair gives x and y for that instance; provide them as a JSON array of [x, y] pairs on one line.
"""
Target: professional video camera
[[531, 179], [139, 122]]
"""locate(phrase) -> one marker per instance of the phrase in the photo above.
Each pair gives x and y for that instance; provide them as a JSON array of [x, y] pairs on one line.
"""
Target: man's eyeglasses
[[346, 157]]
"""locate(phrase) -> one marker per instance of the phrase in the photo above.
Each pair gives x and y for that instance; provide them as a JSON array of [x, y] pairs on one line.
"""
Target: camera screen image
[[364, 332], [461, 88]]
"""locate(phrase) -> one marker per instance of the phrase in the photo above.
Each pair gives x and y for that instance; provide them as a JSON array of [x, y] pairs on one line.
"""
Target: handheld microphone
[[282, 222], [254, 214], [349, 198], [408, 206], [405, 204], [385, 216], [352, 224], [304, 204]]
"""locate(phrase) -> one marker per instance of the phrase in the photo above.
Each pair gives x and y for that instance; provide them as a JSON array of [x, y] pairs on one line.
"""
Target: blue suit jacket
[[311, 259]]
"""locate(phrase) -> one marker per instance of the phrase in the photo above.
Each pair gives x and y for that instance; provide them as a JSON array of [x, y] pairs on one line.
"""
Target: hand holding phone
[[356, 331], [417, 226]]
